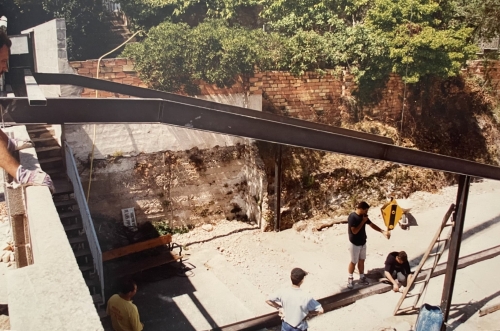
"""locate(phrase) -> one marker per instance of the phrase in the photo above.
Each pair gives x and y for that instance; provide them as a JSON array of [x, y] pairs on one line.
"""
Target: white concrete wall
[[50, 294], [51, 55], [133, 139]]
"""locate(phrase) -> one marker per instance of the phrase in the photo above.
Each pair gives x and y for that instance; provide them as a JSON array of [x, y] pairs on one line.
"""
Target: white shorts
[[357, 253]]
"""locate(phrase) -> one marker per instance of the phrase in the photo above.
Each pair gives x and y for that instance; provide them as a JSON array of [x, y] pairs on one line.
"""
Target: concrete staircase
[[119, 31], [50, 156]]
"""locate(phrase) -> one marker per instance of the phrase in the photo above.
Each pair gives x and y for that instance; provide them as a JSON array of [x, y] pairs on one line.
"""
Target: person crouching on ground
[[295, 305], [357, 236], [397, 270], [124, 314]]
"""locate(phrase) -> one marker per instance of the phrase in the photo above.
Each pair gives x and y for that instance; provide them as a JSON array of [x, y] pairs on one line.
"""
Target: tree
[[420, 41], [174, 56], [86, 28]]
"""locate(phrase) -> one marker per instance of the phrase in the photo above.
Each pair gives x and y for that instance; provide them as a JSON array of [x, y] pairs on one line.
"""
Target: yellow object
[[391, 213], [124, 314]]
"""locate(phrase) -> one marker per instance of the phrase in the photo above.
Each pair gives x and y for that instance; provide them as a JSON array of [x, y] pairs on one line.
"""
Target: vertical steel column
[[277, 189], [454, 248]]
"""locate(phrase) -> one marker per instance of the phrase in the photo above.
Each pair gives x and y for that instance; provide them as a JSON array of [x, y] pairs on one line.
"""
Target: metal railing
[[111, 6], [88, 225]]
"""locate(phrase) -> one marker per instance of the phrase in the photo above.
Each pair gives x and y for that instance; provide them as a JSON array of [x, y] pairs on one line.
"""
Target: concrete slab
[[201, 302]]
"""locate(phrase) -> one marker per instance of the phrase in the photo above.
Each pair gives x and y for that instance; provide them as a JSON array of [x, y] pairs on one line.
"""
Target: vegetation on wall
[[413, 38]]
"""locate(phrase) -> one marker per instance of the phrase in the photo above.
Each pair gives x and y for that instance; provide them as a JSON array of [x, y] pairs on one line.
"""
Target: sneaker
[[36, 177], [363, 281], [18, 144], [350, 282]]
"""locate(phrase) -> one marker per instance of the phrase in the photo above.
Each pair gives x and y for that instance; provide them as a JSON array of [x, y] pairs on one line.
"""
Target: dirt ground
[[252, 264]]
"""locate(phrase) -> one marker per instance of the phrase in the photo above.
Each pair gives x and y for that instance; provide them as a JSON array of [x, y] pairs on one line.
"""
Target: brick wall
[[487, 70], [310, 97], [114, 70]]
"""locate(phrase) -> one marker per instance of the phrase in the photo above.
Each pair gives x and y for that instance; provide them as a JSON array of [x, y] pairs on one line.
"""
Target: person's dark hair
[[4, 39], [363, 205], [402, 256], [297, 275], [126, 286]]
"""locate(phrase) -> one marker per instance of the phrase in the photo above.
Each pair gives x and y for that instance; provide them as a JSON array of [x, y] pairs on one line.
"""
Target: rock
[[6, 257], [207, 227], [300, 226]]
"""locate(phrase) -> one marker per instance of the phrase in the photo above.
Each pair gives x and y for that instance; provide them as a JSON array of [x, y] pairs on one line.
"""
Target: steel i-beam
[[454, 248]]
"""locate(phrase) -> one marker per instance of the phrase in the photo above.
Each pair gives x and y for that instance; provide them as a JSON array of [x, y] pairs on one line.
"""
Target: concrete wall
[[134, 139], [50, 294], [51, 55], [189, 187]]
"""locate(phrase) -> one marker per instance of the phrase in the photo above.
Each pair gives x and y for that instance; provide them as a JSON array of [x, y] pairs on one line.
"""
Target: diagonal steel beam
[[99, 84], [35, 94], [81, 110]]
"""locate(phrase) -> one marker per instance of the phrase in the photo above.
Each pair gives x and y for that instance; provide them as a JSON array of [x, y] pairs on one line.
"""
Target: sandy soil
[[265, 259]]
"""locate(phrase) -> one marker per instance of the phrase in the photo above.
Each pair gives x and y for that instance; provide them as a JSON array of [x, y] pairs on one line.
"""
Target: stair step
[[86, 267], [39, 129], [92, 282], [62, 186], [65, 203], [55, 171], [82, 252], [102, 313], [50, 159], [77, 239], [71, 227], [96, 298], [69, 214], [44, 141], [47, 149]]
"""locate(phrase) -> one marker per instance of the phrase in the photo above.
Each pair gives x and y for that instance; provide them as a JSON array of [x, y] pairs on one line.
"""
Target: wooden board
[[145, 264], [489, 309], [137, 247]]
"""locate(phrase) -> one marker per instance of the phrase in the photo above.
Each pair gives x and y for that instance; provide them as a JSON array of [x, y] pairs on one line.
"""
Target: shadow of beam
[[462, 312]]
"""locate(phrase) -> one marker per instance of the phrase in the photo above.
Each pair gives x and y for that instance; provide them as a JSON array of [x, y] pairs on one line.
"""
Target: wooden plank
[[488, 310], [145, 264], [137, 247]]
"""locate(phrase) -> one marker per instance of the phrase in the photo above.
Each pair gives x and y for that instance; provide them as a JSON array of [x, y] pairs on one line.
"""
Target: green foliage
[[164, 228], [419, 41], [480, 15], [87, 31], [174, 56]]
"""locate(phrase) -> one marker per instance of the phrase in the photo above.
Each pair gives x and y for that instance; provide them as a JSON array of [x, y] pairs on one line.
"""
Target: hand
[[281, 313], [395, 288], [387, 234]]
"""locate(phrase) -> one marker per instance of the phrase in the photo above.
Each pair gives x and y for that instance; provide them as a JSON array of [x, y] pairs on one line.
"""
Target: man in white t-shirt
[[294, 304]]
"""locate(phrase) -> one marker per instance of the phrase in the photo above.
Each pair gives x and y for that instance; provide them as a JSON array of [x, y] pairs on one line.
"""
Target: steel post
[[277, 190], [454, 248]]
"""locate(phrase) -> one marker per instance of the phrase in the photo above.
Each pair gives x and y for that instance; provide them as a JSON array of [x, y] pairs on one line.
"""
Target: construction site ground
[[234, 267]]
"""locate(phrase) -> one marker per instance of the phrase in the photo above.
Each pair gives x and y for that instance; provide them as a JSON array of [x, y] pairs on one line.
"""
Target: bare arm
[[356, 229], [376, 228], [395, 286], [273, 304], [316, 312]]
